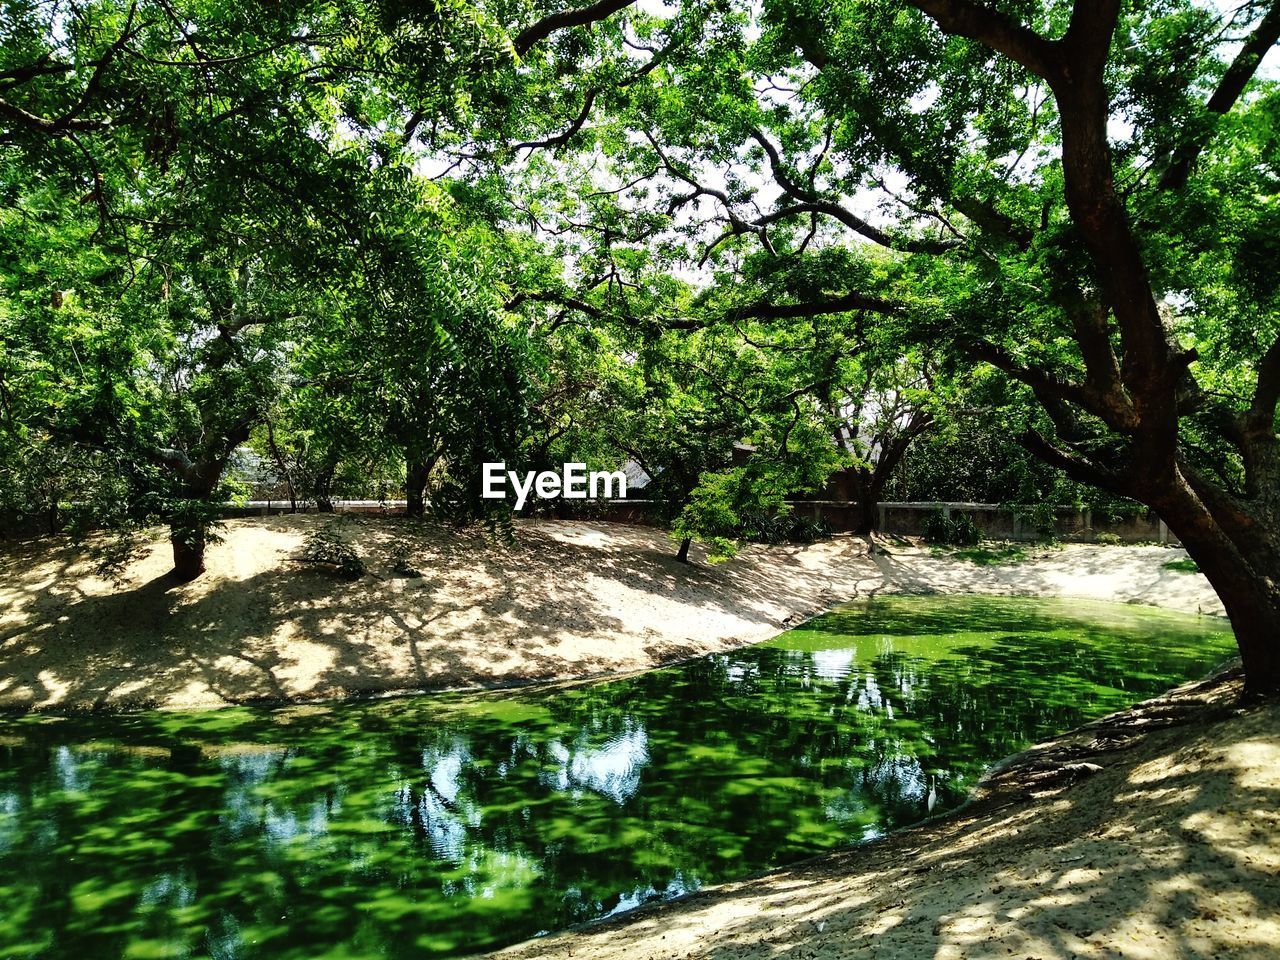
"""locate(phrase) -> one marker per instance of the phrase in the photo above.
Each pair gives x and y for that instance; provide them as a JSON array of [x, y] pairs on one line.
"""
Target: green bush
[[782, 528], [957, 531], [402, 563], [326, 547], [1110, 539], [987, 557], [964, 531], [937, 527], [1041, 517]]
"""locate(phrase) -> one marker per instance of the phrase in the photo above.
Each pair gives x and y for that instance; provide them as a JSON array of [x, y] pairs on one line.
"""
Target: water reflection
[[434, 826]]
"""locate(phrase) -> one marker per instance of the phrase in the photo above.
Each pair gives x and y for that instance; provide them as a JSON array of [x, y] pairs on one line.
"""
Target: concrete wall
[[264, 508], [997, 522]]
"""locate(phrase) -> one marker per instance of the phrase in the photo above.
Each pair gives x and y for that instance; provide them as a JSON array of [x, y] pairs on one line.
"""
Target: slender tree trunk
[[324, 487], [415, 485], [284, 467], [683, 553], [188, 555]]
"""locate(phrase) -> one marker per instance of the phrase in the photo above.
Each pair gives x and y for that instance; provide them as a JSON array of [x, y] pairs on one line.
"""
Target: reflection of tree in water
[[438, 825]]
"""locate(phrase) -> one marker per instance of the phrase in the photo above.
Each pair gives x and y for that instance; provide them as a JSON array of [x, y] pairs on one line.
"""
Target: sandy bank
[[1170, 850], [566, 600]]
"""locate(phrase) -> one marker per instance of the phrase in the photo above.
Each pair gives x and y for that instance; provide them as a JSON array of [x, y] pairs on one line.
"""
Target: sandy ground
[[1170, 849], [1149, 835], [566, 600]]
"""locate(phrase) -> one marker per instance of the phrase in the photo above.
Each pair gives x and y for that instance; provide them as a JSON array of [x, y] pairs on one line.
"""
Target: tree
[[220, 167], [1074, 195], [878, 420]]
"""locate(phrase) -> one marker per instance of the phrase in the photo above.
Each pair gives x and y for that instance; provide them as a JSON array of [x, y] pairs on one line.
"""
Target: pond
[[434, 826]]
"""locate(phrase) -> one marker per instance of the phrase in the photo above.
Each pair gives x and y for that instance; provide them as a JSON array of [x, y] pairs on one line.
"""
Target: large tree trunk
[[415, 485], [864, 488], [1246, 577], [866, 493], [199, 481], [188, 554], [1253, 605], [1142, 390]]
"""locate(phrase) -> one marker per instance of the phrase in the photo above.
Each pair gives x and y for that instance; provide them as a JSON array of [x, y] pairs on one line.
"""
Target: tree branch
[[62, 125], [811, 202], [1265, 36], [574, 303], [1262, 411], [558, 299], [816, 308], [560, 139], [71, 122], [999, 31], [580, 16], [1073, 465], [1048, 385]]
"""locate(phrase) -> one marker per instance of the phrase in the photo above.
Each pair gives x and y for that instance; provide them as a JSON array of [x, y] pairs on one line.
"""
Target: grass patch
[[1182, 565], [983, 556]]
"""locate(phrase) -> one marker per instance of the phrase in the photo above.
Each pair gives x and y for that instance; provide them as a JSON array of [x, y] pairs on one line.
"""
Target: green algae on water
[[436, 826]]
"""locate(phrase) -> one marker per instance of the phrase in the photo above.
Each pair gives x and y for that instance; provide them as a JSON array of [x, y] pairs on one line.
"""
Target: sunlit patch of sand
[[564, 600]]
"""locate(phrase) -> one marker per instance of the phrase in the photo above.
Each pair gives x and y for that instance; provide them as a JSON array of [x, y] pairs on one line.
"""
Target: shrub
[[937, 527], [402, 563], [1040, 517], [782, 528], [1110, 539], [984, 557], [964, 531], [326, 547], [958, 531]]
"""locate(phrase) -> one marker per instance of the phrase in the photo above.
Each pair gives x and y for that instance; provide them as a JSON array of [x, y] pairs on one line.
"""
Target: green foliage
[[326, 546], [379, 244], [991, 556], [958, 530], [782, 527], [338, 831], [1041, 517], [1182, 565]]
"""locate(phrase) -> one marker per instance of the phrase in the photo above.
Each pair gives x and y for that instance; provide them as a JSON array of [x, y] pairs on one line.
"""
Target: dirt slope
[[566, 600]]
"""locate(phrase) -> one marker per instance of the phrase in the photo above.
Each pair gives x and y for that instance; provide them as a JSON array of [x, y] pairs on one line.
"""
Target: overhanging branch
[[560, 139], [997, 30], [810, 202], [1073, 465], [1232, 85], [847, 303], [577, 17]]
